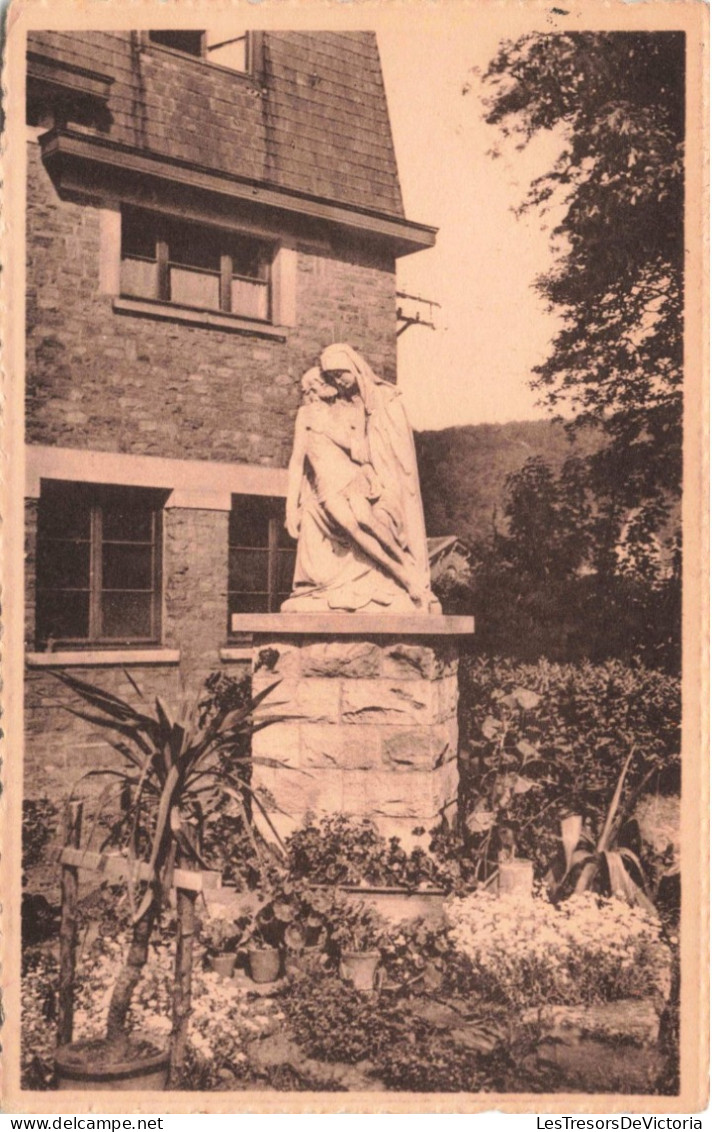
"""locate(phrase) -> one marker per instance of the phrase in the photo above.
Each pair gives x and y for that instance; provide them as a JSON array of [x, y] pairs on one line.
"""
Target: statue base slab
[[372, 719]]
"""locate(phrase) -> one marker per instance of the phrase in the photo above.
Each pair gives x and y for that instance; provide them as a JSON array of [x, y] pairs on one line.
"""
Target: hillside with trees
[[463, 471]]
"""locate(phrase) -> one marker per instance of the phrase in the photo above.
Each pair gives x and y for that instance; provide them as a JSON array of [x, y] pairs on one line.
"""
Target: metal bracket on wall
[[416, 317]]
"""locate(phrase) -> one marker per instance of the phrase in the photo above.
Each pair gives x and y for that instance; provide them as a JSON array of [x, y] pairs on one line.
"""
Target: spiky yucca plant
[[177, 768]]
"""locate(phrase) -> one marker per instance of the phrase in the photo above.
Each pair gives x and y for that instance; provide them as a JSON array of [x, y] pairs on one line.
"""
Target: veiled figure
[[353, 499]]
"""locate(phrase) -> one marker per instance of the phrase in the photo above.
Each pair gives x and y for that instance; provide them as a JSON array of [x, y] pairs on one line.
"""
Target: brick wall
[[112, 382], [109, 382], [195, 587], [58, 746]]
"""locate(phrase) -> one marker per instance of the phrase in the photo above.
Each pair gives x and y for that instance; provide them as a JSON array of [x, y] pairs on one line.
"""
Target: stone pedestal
[[372, 731]]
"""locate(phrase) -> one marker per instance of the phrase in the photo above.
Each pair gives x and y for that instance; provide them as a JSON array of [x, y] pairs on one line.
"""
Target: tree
[[617, 277], [549, 520]]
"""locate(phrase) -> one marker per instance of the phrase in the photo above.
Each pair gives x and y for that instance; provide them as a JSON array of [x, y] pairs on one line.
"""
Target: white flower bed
[[586, 949]]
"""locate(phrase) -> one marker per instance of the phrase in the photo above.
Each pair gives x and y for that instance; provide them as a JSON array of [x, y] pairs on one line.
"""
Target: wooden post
[[68, 928], [182, 984]]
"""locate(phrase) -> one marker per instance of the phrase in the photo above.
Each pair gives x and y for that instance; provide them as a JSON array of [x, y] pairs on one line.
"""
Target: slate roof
[[315, 121]]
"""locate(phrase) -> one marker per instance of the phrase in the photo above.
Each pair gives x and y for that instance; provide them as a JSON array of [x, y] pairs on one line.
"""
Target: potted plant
[[357, 931], [177, 765], [219, 934], [264, 954], [285, 926], [305, 936]]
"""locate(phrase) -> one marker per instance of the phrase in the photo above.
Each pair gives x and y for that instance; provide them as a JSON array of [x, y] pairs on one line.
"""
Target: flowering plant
[[585, 950], [346, 850], [219, 933], [223, 1018], [354, 926], [294, 917]]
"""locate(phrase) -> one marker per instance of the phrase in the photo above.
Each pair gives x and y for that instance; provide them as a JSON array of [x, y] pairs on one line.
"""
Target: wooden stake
[[68, 928], [182, 983]]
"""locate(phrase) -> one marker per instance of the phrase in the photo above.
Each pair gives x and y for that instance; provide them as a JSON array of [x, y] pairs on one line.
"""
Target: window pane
[[248, 257], [250, 299], [194, 246], [63, 564], [190, 42], [249, 521], [285, 569], [62, 615], [193, 289], [127, 524], [126, 616], [138, 277], [248, 570], [126, 567], [138, 233], [63, 512], [249, 603], [284, 539]]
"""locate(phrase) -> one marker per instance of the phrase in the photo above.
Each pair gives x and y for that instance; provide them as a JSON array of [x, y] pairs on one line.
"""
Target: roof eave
[[63, 150]]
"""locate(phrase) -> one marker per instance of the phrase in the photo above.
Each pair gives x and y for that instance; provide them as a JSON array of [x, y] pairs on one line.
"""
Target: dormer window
[[187, 42]]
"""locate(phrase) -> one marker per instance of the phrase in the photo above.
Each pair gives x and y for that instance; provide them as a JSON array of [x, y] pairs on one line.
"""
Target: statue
[[353, 498]]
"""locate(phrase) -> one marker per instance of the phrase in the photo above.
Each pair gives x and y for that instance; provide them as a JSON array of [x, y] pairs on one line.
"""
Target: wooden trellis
[[113, 867]]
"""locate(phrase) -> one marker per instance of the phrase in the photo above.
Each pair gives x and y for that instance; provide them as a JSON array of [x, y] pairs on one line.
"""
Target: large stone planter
[[399, 904], [372, 702]]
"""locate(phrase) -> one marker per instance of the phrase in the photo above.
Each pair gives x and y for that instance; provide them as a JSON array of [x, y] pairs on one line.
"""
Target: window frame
[[274, 547], [162, 223], [97, 498], [178, 50]]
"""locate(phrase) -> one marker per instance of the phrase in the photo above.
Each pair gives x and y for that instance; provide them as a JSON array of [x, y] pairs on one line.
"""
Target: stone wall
[[372, 730]]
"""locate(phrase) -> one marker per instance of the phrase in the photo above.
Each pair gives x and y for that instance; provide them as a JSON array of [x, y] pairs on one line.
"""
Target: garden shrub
[[539, 741], [403, 1051], [335, 1023], [434, 1062], [40, 818], [344, 850]]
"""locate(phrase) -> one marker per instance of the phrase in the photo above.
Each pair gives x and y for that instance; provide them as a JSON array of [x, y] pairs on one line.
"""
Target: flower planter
[[516, 877], [264, 964], [360, 968], [398, 904], [90, 1066], [223, 965]]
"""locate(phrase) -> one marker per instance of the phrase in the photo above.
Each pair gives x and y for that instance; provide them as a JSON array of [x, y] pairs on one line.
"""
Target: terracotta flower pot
[[90, 1066], [264, 964], [223, 964], [359, 967]]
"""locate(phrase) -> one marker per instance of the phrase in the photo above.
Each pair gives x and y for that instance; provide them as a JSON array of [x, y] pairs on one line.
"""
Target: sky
[[492, 327]]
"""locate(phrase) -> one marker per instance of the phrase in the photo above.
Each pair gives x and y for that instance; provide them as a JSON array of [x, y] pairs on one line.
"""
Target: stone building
[[196, 234]]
